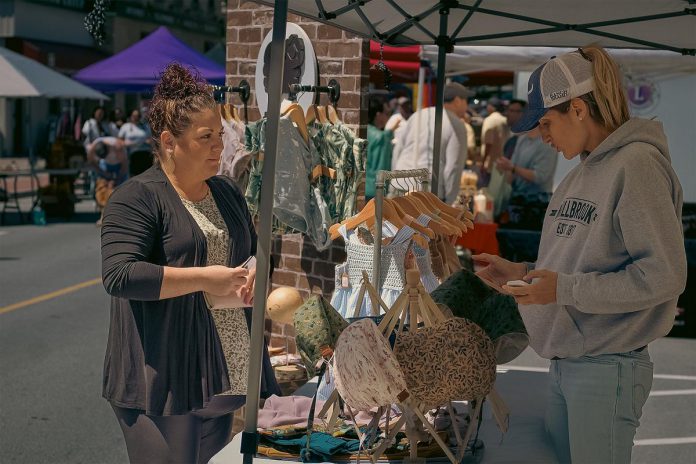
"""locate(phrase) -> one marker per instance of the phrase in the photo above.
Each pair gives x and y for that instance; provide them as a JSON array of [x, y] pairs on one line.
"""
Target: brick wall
[[340, 55], [300, 265]]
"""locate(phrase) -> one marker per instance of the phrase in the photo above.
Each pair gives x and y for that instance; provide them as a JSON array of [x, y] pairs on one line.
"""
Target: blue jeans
[[594, 406]]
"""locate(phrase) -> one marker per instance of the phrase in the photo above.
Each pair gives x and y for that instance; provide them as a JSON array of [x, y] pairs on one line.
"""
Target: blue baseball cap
[[557, 81]]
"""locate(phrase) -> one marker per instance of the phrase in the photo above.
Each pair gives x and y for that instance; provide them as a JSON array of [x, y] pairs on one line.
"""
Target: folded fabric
[[286, 410], [322, 446]]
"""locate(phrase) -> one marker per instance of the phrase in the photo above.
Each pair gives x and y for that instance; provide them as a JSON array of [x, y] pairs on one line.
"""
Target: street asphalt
[[51, 355]]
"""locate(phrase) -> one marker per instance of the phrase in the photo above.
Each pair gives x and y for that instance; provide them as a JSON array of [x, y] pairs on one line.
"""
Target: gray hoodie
[[613, 234]]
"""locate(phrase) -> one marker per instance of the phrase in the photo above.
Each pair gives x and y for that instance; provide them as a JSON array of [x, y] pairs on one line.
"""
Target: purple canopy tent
[[137, 68]]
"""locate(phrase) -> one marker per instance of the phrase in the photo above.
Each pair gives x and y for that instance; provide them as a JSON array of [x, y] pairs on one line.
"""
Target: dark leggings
[[186, 439]]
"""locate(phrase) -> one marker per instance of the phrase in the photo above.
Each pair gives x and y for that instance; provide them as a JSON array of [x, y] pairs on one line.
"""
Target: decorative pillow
[[453, 360], [367, 373], [317, 325], [497, 314]]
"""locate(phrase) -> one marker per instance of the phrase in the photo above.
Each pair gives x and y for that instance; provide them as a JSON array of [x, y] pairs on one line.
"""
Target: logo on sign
[[643, 95]]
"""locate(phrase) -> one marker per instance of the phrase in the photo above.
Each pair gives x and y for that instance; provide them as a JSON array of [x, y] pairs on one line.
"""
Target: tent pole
[[421, 86], [444, 44], [263, 254], [419, 104]]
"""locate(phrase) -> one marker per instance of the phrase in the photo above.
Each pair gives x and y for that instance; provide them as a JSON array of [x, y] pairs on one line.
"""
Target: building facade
[[52, 32]]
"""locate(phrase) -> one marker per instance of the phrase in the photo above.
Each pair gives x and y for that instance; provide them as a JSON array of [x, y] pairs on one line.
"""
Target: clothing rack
[[382, 178], [333, 89], [244, 91]]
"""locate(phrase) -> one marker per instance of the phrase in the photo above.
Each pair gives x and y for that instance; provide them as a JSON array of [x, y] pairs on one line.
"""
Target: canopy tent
[[668, 25], [470, 59], [24, 77], [137, 68]]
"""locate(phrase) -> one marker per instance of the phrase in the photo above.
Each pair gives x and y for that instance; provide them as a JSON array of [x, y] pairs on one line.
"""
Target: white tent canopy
[[659, 24], [469, 59], [23, 77]]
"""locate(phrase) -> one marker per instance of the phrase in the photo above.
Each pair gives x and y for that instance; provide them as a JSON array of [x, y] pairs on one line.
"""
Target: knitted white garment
[[360, 258]]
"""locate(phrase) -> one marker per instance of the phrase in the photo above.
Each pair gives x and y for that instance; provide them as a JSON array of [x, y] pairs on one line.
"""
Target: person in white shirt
[[135, 134], [494, 133], [96, 127], [414, 147], [137, 139]]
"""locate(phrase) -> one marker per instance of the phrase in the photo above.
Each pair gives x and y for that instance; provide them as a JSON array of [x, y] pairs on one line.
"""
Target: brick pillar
[[341, 56]]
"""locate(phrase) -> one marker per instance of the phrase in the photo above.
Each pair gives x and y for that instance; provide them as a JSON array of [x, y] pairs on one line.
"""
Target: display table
[[482, 239], [525, 443]]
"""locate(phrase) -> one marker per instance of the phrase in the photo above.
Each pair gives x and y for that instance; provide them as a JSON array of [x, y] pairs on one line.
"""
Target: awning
[[137, 68], [665, 24], [468, 59]]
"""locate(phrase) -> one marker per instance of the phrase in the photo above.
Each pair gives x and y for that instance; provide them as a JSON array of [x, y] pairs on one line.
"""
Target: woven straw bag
[[453, 360], [497, 314]]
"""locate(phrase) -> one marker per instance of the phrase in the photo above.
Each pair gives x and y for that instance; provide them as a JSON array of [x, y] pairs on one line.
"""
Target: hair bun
[[178, 83]]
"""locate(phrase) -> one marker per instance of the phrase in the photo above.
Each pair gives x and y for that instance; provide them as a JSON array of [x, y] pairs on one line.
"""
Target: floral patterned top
[[230, 323]]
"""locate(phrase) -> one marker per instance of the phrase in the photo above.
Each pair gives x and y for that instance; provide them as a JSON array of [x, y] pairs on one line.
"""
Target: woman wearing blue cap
[[611, 261]]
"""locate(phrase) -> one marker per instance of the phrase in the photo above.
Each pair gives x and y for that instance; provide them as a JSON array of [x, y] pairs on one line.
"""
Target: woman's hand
[[541, 292], [223, 280], [498, 271], [246, 292]]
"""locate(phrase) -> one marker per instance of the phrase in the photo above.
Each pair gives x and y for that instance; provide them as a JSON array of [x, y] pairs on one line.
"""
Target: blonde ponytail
[[609, 94]]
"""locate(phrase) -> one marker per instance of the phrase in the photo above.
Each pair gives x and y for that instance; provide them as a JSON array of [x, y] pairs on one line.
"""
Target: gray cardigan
[[164, 356]]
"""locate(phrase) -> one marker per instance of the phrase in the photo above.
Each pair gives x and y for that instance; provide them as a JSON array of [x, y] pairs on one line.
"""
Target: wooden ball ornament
[[282, 303]]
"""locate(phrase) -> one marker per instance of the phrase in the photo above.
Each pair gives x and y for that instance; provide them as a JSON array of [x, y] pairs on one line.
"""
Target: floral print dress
[[231, 323]]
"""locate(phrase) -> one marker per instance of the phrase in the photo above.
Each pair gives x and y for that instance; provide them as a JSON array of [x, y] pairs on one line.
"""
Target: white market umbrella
[[23, 77]]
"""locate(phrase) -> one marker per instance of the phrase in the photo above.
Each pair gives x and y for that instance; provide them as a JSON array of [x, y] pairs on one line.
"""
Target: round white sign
[[300, 64], [643, 96]]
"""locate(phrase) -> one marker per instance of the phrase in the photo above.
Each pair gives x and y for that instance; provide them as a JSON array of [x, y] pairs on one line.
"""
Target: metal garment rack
[[382, 178], [243, 90], [333, 89]]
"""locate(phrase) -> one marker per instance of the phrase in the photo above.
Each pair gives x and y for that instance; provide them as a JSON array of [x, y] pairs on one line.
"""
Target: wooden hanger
[[435, 203], [285, 105], [224, 113], [332, 114], [296, 114], [388, 212], [415, 208], [442, 206], [235, 113], [321, 111], [409, 220], [316, 113]]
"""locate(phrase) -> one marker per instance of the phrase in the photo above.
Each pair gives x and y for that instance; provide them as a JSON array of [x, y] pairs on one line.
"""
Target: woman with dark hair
[[175, 370], [97, 126], [611, 261]]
